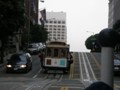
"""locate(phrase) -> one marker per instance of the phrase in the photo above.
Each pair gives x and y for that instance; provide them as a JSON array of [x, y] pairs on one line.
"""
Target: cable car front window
[[63, 52], [56, 52], [49, 52]]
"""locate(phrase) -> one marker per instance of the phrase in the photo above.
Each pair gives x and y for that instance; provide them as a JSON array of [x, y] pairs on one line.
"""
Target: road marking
[[95, 61], [71, 71], [90, 66], [60, 78], [81, 74], [37, 73], [86, 69]]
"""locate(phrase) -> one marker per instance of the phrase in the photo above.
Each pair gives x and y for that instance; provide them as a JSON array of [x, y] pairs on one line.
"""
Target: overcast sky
[[82, 16]]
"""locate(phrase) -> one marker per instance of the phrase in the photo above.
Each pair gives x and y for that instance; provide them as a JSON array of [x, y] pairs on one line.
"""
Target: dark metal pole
[[29, 10]]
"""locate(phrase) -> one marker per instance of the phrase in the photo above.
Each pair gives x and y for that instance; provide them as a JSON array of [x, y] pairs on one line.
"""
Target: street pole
[[107, 65], [29, 4], [17, 43], [108, 38]]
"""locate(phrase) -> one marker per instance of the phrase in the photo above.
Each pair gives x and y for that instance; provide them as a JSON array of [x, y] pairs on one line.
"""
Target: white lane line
[[80, 67], [86, 69], [90, 66], [60, 78], [37, 73]]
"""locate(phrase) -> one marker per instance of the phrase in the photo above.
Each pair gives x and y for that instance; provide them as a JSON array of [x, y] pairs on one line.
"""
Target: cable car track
[[87, 73]]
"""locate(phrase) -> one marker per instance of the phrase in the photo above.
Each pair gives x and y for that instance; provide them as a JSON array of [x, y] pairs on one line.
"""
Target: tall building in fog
[[56, 26], [114, 12]]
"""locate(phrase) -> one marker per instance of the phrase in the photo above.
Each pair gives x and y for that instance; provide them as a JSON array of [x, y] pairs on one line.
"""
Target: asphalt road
[[37, 80], [84, 71]]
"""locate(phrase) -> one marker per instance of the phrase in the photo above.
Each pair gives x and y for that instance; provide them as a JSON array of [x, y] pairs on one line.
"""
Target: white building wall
[[56, 26]]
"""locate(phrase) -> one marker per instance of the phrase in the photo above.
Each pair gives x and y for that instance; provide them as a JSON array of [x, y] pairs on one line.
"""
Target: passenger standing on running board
[[41, 56], [70, 60]]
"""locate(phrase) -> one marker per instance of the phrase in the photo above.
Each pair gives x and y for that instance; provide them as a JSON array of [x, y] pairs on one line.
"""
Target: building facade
[[42, 13], [114, 15], [31, 10], [31, 13], [56, 26], [114, 12]]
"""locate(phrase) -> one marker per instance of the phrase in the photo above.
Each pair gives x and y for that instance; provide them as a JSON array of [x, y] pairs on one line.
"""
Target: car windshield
[[18, 57]]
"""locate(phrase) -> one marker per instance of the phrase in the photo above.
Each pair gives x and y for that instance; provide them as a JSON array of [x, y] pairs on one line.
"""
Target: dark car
[[19, 63], [117, 66]]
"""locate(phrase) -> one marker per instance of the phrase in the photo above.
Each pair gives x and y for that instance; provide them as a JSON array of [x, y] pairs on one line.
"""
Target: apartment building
[[56, 26], [42, 13], [114, 12]]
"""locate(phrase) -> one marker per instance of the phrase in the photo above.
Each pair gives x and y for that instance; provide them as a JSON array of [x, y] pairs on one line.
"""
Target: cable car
[[56, 56]]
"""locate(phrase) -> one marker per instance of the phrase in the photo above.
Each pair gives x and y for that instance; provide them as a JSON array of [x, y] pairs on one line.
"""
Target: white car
[[33, 48], [117, 66], [40, 45]]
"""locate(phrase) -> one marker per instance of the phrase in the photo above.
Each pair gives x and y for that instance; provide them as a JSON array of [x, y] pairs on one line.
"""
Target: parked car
[[33, 48], [19, 62], [40, 46], [116, 65]]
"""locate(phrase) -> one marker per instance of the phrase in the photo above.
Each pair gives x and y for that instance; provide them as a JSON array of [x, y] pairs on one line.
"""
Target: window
[[49, 52], [56, 51], [51, 21], [55, 26], [63, 22], [50, 25], [59, 26], [55, 21], [46, 25], [63, 53], [59, 22], [63, 26]]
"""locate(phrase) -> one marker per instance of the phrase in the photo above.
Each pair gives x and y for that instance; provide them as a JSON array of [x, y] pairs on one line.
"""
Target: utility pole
[[107, 39], [17, 42], [29, 11]]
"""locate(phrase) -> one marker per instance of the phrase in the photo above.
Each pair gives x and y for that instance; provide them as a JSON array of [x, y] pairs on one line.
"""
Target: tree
[[12, 19], [92, 43], [37, 34], [116, 26]]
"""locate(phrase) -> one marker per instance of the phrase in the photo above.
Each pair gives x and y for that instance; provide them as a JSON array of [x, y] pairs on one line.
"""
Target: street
[[84, 71]]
